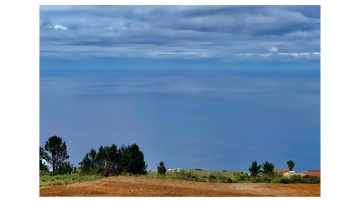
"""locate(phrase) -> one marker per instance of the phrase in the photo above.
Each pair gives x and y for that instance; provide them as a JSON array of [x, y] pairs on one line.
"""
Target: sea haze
[[209, 119]]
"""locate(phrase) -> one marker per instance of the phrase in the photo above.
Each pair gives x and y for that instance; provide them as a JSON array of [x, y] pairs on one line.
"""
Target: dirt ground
[[141, 186]]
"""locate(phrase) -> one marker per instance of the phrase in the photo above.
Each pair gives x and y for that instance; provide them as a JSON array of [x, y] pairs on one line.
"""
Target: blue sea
[[208, 119]]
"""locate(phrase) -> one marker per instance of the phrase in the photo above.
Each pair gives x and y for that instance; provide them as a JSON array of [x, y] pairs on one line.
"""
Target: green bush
[[212, 178], [64, 168], [284, 180], [296, 179], [223, 179], [241, 176], [311, 179], [266, 178], [262, 179], [99, 170]]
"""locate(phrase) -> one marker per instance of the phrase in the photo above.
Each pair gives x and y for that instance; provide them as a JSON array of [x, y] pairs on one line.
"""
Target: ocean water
[[209, 119]]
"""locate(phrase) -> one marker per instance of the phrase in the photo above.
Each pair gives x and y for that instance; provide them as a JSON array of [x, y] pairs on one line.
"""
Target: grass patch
[[200, 175], [197, 175], [48, 180], [293, 179]]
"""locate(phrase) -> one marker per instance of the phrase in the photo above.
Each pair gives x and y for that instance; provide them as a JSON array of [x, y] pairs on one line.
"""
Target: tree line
[[266, 168], [107, 160], [111, 160]]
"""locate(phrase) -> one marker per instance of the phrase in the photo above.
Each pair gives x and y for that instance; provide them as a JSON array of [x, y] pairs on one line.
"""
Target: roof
[[281, 170], [312, 172]]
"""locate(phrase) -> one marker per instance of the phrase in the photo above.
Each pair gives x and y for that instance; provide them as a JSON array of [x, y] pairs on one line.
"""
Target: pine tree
[[56, 152], [254, 169], [268, 168], [161, 168]]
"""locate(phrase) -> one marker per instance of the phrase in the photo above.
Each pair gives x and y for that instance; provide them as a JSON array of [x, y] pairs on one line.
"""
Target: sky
[[133, 35], [212, 87]]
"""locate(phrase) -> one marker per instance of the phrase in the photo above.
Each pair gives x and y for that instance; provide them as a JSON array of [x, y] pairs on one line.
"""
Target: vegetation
[[48, 180], [109, 161], [133, 160], [268, 168], [198, 175], [254, 169], [161, 168], [129, 160], [55, 154], [42, 157], [290, 164], [241, 177], [297, 179]]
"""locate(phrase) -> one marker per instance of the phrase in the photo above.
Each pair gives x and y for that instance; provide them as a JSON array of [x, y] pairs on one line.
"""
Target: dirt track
[[140, 186]]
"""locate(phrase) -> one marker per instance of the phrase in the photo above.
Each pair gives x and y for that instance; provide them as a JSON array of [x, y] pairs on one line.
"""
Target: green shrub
[[212, 178], [296, 179], [262, 179], [227, 180], [284, 180], [223, 179], [99, 170], [266, 178], [241, 176], [311, 179]]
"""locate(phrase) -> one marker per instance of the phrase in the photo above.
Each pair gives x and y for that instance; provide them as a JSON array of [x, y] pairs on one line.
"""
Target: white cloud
[[274, 50], [58, 27], [303, 54], [170, 54], [306, 55]]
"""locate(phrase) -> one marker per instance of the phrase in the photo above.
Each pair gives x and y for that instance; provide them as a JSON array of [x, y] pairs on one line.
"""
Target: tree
[[161, 168], [64, 168], [133, 159], [44, 157], [254, 169], [101, 157], [268, 168], [290, 164], [85, 164], [56, 152], [92, 158], [111, 160]]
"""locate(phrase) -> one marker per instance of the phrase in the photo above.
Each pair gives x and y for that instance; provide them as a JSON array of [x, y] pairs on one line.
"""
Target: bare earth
[[141, 186]]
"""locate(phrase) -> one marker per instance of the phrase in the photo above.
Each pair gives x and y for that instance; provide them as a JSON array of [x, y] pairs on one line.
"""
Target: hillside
[[142, 186]]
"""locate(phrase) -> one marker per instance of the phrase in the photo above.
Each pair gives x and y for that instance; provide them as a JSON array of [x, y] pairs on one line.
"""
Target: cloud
[[274, 50], [305, 55], [222, 32], [180, 54], [58, 27], [274, 54]]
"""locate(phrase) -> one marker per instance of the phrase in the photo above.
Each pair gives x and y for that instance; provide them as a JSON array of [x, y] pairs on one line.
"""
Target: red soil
[[141, 186]]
